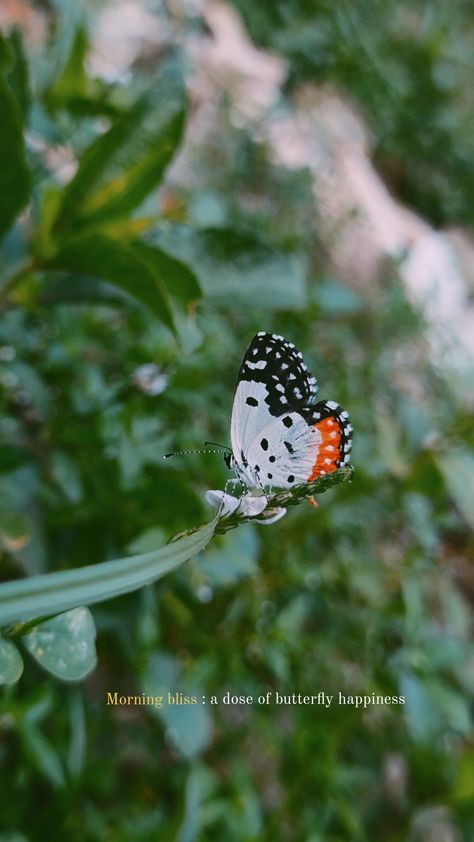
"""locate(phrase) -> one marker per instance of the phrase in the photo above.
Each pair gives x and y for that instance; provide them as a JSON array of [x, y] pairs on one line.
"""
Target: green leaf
[[180, 280], [122, 264], [65, 645], [452, 706], [18, 75], [77, 750], [457, 468], [11, 662], [72, 80], [193, 797], [122, 166], [72, 88], [422, 719], [14, 174], [49, 200], [188, 726], [238, 267], [65, 473], [55, 592], [43, 755], [432, 708]]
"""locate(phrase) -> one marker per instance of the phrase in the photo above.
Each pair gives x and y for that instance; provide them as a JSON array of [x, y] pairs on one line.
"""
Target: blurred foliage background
[[173, 179]]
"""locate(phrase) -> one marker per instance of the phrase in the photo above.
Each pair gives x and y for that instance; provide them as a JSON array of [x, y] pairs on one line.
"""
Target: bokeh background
[[322, 187]]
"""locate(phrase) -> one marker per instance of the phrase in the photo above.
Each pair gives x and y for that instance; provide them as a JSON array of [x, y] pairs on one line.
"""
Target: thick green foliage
[[367, 593]]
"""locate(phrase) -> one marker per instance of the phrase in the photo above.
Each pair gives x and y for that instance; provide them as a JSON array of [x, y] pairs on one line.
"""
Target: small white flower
[[149, 379], [227, 501], [249, 505], [273, 515]]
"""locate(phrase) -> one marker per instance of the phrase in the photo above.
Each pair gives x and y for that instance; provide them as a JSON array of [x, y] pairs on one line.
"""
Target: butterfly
[[281, 435]]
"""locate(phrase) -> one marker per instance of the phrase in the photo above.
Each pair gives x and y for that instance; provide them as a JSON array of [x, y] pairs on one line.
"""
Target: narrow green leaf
[[77, 750], [94, 164], [43, 755], [65, 645], [191, 824], [54, 592], [122, 166], [77, 92], [129, 188], [18, 73], [66, 476], [11, 662], [72, 81], [422, 719], [122, 264], [48, 203], [69, 17], [14, 174]]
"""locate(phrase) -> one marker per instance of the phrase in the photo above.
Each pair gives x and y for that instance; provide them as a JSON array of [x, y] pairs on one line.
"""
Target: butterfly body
[[280, 434]]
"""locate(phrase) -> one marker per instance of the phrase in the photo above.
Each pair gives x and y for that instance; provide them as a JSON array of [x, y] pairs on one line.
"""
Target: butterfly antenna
[[190, 452], [216, 444]]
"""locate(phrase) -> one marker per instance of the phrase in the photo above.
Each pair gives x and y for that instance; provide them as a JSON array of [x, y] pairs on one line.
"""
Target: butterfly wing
[[279, 435], [272, 378], [297, 448], [272, 360]]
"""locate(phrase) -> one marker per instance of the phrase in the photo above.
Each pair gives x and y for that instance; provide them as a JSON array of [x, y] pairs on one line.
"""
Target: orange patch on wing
[[328, 450]]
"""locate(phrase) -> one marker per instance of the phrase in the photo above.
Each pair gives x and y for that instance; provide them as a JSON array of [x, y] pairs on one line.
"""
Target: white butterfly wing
[[284, 453], [280, 436]]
